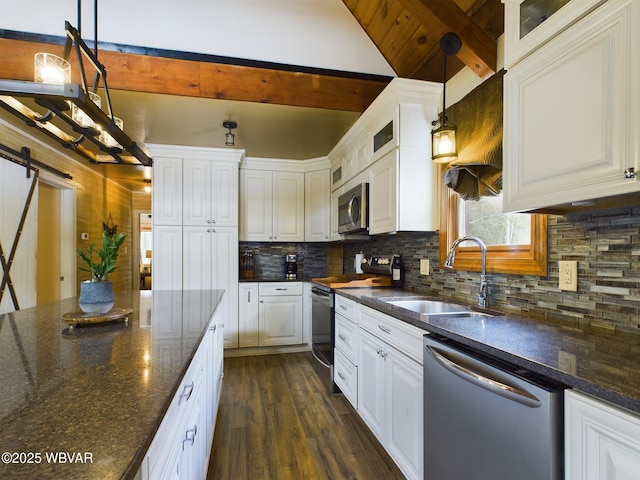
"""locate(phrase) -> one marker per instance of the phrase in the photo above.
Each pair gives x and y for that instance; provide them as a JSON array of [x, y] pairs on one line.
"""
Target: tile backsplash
[[268, 259], [605, 244]]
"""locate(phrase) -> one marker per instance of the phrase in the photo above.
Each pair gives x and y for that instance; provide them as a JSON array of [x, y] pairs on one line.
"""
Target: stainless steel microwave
[[353, 210]]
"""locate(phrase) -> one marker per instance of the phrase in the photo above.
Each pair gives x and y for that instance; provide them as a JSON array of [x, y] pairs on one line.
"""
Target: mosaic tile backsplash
[[268, 259], [605, 244]]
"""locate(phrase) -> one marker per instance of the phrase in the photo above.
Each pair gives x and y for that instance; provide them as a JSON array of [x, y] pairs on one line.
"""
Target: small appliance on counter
[[246, 265], [291, 266]]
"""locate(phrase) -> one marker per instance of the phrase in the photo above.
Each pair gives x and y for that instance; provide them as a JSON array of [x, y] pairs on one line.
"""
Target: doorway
[[144, 252], [56, 243]]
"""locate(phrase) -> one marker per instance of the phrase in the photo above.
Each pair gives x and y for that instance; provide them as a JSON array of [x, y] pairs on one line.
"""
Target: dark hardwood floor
[[278, 421]]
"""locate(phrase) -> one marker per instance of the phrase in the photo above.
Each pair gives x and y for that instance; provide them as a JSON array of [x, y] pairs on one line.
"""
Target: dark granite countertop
[[603, 363], [98, 393]]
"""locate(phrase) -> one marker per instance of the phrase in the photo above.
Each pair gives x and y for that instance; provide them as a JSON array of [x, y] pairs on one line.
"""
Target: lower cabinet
[[602, 442], [270, 314], [182, 444], [390, 391]]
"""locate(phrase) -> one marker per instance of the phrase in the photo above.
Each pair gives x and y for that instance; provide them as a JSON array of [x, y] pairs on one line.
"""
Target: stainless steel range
[[377, 274]]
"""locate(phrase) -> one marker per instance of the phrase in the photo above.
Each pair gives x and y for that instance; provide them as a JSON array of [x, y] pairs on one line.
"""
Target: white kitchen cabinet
[[182, 444], [210, 194], [390, 387], [167, 257], [270, 314], [402, 195], [210, 261], [271, 206], [572, 112], [346, 349], [317, 206], [248, 314], [335, 195], [528, 25], [280, 313], [602, 442], [167, 178]]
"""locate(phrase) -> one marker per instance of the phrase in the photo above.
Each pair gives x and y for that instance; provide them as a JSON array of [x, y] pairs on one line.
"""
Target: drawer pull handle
[[213, 327], [343, 307], [384, 329], [190, 436], [341, 375], [282, 289], [187, 391], [342, 337]]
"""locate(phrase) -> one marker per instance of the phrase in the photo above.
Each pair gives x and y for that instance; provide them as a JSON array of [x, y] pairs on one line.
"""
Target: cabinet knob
[[190, 436], [187, 390]]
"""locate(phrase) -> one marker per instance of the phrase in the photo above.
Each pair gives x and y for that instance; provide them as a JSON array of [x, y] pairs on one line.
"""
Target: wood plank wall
[[97, 198]]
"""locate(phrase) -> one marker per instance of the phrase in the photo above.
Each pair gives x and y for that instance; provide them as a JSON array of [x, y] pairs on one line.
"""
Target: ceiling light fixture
[[229, 138], [73, 114], [443, 137]]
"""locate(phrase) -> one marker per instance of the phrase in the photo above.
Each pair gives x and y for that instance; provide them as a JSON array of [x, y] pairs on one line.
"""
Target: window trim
[[516, 259]]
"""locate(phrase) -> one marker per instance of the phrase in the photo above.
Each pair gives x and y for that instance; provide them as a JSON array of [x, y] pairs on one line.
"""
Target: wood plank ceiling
[[407, 33]]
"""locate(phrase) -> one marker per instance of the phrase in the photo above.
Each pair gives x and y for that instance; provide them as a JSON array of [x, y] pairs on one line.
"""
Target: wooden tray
[[82, 318], [354, 281]]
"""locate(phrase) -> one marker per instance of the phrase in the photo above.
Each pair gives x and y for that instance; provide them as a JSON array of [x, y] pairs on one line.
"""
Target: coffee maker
[[291, 267]]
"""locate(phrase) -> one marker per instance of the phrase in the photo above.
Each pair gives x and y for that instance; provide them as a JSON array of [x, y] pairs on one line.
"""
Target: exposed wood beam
[[154, 74], [479, 50]]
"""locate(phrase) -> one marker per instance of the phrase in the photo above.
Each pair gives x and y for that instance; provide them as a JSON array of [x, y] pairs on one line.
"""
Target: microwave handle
[[350, 211]]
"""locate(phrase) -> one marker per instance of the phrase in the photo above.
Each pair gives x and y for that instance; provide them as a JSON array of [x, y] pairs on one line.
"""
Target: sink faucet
[[483, 295]]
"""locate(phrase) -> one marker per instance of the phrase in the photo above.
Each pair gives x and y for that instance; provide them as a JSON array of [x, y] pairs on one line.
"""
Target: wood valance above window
[[477, 172]]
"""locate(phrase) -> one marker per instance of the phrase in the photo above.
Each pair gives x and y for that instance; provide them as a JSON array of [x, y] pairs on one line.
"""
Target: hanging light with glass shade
[[443, 136], [229, 138]]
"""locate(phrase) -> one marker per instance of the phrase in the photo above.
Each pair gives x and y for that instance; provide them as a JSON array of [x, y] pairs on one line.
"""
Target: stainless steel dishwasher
[[485, 419]]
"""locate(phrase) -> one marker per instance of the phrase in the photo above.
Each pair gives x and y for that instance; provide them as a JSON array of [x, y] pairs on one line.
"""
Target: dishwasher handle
[[507, 391]]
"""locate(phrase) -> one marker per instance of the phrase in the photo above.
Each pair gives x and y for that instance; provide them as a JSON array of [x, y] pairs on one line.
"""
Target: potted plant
[[96, 294]]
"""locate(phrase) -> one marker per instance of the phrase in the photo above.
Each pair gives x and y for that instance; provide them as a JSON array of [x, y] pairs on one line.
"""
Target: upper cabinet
[[317, 202], [530, 23], [390, 145], [210, 193], [572, 112], [271, 206]]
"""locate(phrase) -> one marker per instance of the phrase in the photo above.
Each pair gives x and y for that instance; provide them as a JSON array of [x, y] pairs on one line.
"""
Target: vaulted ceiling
[[145, 83]]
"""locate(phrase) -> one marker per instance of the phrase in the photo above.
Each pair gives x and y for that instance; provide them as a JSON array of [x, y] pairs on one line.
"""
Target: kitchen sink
[[434, 307]]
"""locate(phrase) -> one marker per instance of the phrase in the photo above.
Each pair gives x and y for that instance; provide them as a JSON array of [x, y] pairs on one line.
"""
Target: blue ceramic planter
[[96, 297]]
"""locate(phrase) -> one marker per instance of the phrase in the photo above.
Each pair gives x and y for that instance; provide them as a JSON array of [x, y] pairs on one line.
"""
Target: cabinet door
[[383, 191], [248, 311], [167, 191], [167, 261], [567, 114], [256, 206], [316, 206], [334, 213], [288, 206], [280, 320], [371, 397], [601, 442], [224, 187], [197, 255], [224, 267], [404, 426], [197, 192]]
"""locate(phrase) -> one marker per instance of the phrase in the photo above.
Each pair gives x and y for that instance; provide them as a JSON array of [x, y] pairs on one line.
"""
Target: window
[[516, 243]]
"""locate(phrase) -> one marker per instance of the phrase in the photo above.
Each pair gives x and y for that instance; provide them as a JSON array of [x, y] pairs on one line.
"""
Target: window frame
[[512, 259]]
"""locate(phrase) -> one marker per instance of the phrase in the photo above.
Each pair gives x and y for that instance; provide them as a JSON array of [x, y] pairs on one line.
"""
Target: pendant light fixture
[[71, 113], [443, 136], [229, 138]]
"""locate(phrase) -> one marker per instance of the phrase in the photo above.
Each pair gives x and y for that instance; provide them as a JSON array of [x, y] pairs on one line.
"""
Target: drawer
[[346, 341], [345, 375], [162, 449], [279, 288], [345, 307], [404, 337]]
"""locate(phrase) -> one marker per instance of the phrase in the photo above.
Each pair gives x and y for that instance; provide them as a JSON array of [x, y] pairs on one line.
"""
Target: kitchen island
[[87, 402]]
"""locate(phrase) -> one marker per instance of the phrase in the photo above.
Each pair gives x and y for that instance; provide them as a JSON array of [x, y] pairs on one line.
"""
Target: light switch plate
[[424, 266], [568, 280]]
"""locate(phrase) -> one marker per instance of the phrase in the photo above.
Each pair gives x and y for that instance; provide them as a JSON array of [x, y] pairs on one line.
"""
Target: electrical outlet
[[568, 276], [424, 266]]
